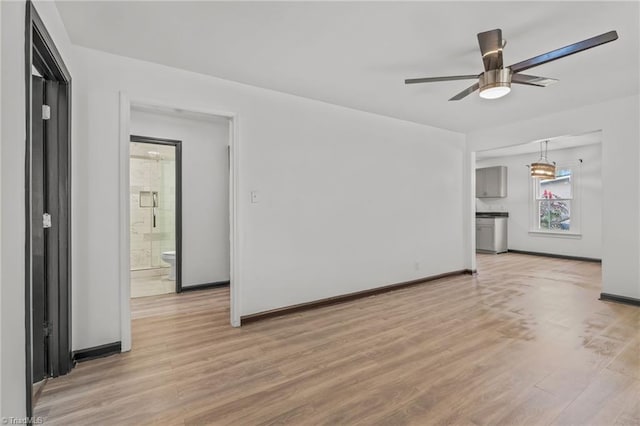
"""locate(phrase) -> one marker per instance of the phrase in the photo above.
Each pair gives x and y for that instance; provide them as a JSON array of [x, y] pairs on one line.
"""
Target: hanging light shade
[[543, 169]]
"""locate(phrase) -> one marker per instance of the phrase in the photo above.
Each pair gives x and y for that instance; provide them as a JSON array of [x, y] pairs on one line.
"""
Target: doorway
[[155, 181], [129, 123], [48, 207], [557, 216]]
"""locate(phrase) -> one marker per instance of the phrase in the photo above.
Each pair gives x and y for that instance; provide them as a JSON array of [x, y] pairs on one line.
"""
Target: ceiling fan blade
[[532, 80], [433, 79], [565, 51], [466, 92], [491, 47]]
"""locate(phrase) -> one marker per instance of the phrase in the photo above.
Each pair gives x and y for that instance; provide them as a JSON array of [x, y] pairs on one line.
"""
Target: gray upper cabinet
[[491, 182]]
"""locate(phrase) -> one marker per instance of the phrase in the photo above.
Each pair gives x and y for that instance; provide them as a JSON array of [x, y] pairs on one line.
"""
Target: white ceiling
[[554, 144], [152, 152], [357, 54]]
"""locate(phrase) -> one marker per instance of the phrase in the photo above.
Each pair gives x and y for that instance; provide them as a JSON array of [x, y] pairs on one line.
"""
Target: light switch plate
[[254, 197]]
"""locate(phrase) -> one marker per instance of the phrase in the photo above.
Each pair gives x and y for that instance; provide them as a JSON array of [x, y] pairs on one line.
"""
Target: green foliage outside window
[[555, 214]]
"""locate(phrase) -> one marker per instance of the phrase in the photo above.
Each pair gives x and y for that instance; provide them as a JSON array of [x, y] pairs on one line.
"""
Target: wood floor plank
[[525, 341], [600, 403]]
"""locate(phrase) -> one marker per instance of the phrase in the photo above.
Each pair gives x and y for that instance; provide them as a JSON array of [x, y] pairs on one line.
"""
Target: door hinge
[[46, 220], [46, 112], [48, 328]]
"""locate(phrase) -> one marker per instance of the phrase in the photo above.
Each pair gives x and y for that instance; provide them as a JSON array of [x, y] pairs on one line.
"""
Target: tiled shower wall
[[147, 242]]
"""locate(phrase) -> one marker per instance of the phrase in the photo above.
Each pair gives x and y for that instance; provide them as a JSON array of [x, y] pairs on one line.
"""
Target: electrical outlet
[[416, 266]]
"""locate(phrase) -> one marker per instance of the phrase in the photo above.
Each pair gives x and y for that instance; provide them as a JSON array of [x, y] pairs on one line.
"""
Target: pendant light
[[543, 169]]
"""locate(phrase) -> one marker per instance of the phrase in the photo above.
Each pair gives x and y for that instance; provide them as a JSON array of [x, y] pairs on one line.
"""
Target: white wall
[[348, 199], [585, 209], [12, 158], [1, 137], [12, 368], [205, 190], [618, 120]]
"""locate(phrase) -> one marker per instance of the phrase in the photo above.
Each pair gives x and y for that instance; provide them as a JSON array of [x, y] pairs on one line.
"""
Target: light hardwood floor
[[526, 341]]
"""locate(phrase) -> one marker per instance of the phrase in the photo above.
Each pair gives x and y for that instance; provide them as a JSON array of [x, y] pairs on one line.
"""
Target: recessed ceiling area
[[554, 144], [357, 54]]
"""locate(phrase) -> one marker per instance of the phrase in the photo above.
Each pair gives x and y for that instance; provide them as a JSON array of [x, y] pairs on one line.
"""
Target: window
[[553, 200]]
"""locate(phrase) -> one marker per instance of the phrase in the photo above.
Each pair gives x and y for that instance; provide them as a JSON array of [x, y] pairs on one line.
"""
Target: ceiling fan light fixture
[[495, 84], [495, 81], [495, 92]]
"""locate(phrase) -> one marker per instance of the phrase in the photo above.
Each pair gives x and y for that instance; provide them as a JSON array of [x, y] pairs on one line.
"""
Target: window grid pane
[[554, 215], [559, 188]]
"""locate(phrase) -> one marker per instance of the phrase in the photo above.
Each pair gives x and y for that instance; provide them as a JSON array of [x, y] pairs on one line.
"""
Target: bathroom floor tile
[[151, 286]]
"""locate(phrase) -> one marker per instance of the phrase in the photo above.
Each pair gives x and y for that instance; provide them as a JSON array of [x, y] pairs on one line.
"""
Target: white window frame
[[575, 200]]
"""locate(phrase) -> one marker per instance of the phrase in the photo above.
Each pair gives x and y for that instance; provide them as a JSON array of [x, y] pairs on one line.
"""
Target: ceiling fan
[[496, 80]]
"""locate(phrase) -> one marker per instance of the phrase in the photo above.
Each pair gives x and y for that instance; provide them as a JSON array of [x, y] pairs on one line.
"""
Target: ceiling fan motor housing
[[495, 78]]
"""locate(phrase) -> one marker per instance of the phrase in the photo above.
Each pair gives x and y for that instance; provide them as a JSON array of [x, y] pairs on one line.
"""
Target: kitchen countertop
[[492, 214]]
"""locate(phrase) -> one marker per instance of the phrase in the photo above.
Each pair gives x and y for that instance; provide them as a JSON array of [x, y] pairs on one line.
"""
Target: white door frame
[[234, 232]]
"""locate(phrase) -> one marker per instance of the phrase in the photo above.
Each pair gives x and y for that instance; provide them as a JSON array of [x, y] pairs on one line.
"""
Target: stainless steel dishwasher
[[491, 232]]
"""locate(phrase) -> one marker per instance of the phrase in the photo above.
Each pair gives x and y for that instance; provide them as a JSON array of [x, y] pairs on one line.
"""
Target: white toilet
[[170, 258]]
